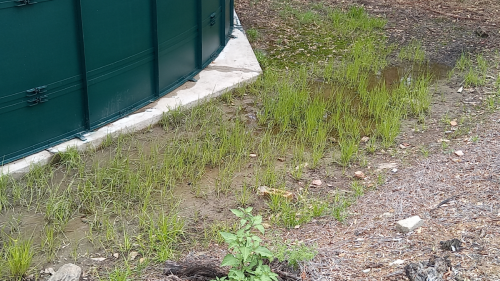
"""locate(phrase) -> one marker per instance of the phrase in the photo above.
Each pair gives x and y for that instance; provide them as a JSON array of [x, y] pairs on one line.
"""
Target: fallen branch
[[286, 275]]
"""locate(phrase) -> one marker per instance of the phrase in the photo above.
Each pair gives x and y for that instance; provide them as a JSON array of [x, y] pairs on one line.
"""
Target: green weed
[[287, 213], [4, 201], [348, 149], [252, 34], [262, 58], [463, 63], [358, 188], [119, 274], [70, 158], [413, 52], [245, 195], [293, 254], [213, 231], [340, 204], [424, 151], [164, 232], [49, 241], [246, 255], [18, 254]]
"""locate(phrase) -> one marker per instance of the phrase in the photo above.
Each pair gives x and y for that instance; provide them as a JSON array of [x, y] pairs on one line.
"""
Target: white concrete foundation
[[236, 65]]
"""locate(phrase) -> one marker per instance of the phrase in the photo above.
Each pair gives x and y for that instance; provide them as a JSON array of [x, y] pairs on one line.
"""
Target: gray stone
[[434, 270], [67, 272], [409, 224]]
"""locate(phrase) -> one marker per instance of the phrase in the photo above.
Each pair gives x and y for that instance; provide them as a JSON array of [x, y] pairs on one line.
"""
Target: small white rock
[[253, 155], [49, 270], [98, 259], [132, 255], [397, 262], [317, 182], [387, 166], [67, 272], [460, 89], [409, 224], [359, 175], [366, 270], [394, 170], [459, 153], [387, 215]]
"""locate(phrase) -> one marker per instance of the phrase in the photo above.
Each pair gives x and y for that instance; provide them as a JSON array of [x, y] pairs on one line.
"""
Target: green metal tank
[[70, 66]]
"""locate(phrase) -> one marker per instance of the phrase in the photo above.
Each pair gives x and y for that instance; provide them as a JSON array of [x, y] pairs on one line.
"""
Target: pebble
[[387, 166], [67, 272], [359, 175], [317, 182], [133, 255], [49, 270], [387, 215], [459, 153], [397, 262], [409, 224]]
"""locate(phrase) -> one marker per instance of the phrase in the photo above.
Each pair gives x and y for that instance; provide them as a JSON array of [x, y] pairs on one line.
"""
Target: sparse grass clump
[[355, 19], [413, 52], [252, 34], [18, 255], [4, 202], [293, 254], [474, 72]]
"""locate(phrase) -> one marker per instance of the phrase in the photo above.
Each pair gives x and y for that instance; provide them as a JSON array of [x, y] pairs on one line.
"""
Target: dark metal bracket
[[38, 100], [193, 80], [212, 19], [24, 3], [35, 91], [36, 95], [81, 137]]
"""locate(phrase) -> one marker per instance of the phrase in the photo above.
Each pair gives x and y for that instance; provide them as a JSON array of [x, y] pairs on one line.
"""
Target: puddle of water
[[390, 77]]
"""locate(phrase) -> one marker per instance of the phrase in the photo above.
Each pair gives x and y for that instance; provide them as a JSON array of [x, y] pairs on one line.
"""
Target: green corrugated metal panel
[[119, 54], [38, 49], [211, 29], [94, 61], [178, 33], [228, 13]]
